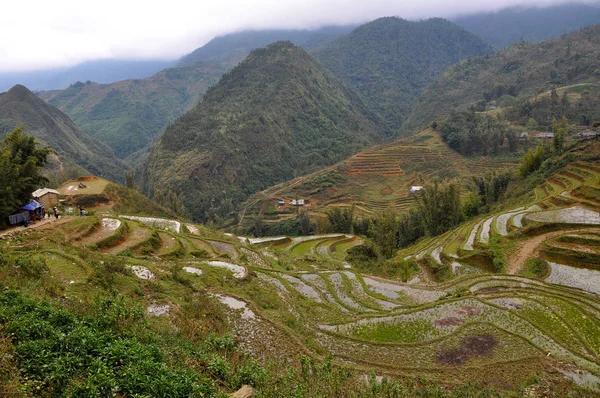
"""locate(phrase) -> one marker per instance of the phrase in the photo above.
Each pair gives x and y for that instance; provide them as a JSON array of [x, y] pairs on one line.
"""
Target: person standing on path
[[80, 211], [56, 212]]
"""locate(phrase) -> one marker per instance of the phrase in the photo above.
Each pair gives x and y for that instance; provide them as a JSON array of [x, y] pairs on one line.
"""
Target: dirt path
[[530, 247], [38, 224]]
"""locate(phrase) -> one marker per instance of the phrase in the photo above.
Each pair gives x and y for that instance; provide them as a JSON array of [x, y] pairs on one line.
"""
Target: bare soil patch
[[386, 191], [480, 345]]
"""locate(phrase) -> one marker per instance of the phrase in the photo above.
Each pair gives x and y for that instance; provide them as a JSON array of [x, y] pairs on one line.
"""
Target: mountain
[[129, 114], [521, 70], [100, 71], [530, 24], [278, 114], [390, 60], [232, 48], [77, 152]]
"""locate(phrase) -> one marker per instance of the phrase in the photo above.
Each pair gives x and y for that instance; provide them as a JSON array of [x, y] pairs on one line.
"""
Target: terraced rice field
[[455, 320]]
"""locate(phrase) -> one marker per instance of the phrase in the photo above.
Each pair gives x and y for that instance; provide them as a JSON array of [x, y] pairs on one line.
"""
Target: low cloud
[[45, 34]]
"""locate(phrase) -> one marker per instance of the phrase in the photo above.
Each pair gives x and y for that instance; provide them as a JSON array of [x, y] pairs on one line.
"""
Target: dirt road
[[530, 247]]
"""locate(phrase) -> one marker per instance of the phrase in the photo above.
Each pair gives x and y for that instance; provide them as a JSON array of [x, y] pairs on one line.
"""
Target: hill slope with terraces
[[378, 178], [278, 114], [286, 301]]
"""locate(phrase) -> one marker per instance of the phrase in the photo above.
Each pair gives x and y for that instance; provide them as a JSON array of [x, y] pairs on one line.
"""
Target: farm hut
[[281, 203], [35, 209], [293, 202], [586, 134], [300, 202], [46, 196], [415, 188]]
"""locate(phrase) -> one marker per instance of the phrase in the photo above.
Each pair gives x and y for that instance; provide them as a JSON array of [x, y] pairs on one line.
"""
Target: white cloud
[[39, 34]]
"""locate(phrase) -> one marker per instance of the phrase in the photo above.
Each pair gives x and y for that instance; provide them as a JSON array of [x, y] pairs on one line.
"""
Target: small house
[[281, 202], [524, 135], [300, 202], [46, 196], [35, 209], [415, 188], [293, 202], [586, 134]]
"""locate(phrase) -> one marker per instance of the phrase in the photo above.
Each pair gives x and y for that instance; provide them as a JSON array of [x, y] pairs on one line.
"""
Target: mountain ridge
[[50, 126], [277, 114]]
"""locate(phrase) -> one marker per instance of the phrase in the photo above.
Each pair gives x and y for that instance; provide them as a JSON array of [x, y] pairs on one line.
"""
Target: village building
[[586, 134], [46, 196], [545, 135], [415, 188]]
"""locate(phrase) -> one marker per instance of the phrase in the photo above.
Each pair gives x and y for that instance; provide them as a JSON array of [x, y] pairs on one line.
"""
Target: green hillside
[[77, 153], [391, 60], [505, 304], [511, 77], [129, 114], [277, 115]]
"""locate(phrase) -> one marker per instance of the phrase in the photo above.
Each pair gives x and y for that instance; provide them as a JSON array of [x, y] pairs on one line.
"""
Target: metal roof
[[43, 191]]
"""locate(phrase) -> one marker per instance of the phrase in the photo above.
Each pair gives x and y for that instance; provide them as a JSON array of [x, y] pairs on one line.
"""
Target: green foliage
[[384, 232], [533, 160], [341, 219], [520, 72], [129, 114], [535, 268], [491, 187], [299, 225], [276, 115], [78, 153], [390, 60], [474, 134], [64, 354], [559, 130], [439, 209], [21, 164]]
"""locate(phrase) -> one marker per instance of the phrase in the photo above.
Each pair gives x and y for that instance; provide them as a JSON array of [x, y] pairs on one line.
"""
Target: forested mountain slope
[[521, 70], [277, 115], [390, 60], [530, 24], [129, 114], [78, 153]]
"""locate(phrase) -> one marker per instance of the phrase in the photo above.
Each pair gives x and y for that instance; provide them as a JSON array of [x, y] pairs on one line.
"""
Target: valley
[[396, 208]]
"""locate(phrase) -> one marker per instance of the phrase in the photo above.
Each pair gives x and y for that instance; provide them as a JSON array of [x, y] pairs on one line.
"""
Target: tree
[[21, 165], [559, 130], [532, 124], [384, 231], [130, 178], [554, 103]]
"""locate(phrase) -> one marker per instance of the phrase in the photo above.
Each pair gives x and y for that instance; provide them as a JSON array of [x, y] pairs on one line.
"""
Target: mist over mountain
[[231, 48], [530, 24], [100, 71]]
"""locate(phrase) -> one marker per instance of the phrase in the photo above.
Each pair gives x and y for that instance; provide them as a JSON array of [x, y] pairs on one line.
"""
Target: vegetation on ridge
[[277, 115]]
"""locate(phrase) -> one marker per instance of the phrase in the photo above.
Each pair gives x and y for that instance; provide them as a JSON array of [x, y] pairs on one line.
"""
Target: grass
[[535, 268]]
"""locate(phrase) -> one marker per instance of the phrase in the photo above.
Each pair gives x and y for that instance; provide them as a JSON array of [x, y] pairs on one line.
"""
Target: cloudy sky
[[38, 34]]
